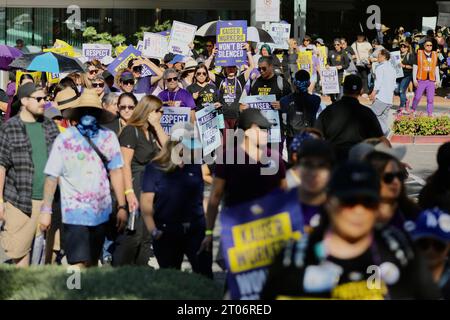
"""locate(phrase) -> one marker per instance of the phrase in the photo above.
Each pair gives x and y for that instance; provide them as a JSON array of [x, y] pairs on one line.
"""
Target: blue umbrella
[[48, 62]]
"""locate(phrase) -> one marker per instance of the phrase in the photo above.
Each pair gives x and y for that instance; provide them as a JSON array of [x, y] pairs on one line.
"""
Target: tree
[[91, 35], [157, 27]]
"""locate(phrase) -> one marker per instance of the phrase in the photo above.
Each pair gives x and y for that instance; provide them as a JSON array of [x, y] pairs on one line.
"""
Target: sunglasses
[[98, 85], [123, 107], [403, 46], [306, 40], [390, 176], [93, 71], [428, 45], [425, 244], [209, 46], [172, 79], [201, 74], [311, 165], [337, 44], [263, 69], [128, 83], [39, 99], [367, 202]]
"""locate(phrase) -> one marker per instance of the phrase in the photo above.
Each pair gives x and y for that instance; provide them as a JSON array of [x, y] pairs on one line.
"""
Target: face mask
[[302, 86], [88, 126]]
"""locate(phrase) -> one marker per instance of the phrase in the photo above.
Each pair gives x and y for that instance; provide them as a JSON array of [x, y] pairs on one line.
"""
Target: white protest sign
[[428, 23], [154, 45], [395, 60], [330, 80], [174, 115], [280, 33], [267, 10], [140, 45], [208, 127], [96, 50], [181, 35], [443, 19], [264, 103]]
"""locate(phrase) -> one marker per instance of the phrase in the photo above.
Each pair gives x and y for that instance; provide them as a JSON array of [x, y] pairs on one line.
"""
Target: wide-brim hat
[[384, 28], [191, 64], [66, 98], [89, 102]]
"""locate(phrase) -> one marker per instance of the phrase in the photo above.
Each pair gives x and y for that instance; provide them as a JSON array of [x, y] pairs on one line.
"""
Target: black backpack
[[300, 115]]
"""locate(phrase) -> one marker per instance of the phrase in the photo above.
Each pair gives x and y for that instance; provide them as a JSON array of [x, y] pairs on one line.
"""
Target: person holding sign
[[144, 84], [171, 203], [173, 95], [262, 172], [338, 58], [335, 261], [230, 87]]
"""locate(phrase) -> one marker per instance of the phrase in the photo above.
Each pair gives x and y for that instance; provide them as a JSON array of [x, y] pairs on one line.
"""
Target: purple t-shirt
[[143, 85], [311, 215], [181, 98]]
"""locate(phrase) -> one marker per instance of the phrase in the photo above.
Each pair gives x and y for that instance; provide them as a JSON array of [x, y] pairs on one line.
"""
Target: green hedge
[[50, 282], [421, 125]]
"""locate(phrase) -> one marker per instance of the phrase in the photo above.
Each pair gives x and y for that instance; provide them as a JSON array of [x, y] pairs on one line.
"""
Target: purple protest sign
[[231, 37], [121, 62], [96, 50], [252, 235]]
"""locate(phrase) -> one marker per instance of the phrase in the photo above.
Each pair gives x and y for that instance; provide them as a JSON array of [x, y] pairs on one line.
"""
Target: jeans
[[363, 72], [403, 87]]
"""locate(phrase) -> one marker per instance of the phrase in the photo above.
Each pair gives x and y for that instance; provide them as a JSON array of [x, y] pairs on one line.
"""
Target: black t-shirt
[[230, 91], [207, 94], [409, 59], [346, 123], [265, 87], [377, 273], [144, 151], [245, 182]]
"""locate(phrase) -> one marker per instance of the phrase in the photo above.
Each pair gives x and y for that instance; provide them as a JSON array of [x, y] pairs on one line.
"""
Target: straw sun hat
[[89, 102]]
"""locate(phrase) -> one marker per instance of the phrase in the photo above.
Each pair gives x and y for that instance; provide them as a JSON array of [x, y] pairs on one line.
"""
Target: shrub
[[49, 282], [421, 125]]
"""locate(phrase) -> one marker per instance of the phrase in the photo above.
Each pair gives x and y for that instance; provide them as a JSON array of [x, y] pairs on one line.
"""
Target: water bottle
[[131, 225]]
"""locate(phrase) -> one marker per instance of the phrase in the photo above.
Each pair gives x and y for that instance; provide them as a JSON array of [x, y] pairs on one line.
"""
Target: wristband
[[45, 209], [127, 192], [208, 233]]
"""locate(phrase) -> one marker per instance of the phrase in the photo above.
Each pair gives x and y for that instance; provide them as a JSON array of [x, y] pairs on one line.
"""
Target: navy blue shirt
[[178, 194]]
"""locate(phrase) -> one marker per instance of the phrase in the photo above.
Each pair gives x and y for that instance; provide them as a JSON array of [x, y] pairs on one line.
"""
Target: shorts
[[19, 230], [83, 244]]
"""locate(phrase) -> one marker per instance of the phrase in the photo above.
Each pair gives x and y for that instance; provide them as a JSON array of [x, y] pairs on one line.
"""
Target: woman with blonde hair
[[140, 141], [171, 202]]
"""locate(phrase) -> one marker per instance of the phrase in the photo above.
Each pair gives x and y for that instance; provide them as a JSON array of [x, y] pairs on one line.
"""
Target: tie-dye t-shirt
[[83, 180]]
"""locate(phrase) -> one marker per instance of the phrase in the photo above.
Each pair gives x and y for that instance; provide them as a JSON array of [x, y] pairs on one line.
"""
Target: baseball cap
[[168, 57], [316, 148], [177, 58], [27, 90], [126, 76], [106, 74], [359, 151], [353, 180], [250, 116], [352, 84], [319, 40], [52, 112], [185, 133], [431, 223]]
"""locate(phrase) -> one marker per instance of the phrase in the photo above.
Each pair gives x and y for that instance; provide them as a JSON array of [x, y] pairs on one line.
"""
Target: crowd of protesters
[[87, 162]]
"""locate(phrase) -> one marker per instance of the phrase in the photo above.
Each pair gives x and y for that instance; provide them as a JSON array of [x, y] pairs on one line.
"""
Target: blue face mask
[[88, 126], [302, 86]]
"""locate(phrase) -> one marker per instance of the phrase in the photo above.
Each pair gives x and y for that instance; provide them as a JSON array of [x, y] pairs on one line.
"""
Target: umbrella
[[7, 55], [258, 35], [253, 34], [48, 62]]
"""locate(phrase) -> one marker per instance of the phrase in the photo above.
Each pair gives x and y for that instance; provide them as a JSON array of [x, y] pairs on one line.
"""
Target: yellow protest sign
[[62, 47], [256, 243], [36, 77], [322, 56], [120, 49], [304, 61], [52, 77]]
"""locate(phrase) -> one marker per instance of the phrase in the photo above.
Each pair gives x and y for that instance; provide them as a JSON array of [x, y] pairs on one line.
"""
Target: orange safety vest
[[425, 67]]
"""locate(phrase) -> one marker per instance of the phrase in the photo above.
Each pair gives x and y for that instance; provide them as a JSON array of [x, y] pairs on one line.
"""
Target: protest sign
[[121, 62], [231, 37], [267, 10], [428, 23], [252, 234], [322, 56], [443, 19], [181, 35], [330, 80], [304, 61], [96, 50], [208, 127], [154, 45], [52, 77], [140, 45], [174, 115], [396, 60], [62, 47], [280, 33], [36, 76], [264, 103]]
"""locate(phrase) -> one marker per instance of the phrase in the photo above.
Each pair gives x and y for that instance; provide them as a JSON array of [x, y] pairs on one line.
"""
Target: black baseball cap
[[250, 116], [355, 180], [352, 84], [26, 90], [317, 149]]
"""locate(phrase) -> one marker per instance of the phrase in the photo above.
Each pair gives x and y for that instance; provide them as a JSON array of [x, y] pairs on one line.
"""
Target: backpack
[[298, 116]]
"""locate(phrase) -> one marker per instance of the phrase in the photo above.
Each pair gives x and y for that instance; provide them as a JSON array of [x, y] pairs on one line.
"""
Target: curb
[[400, 139]]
